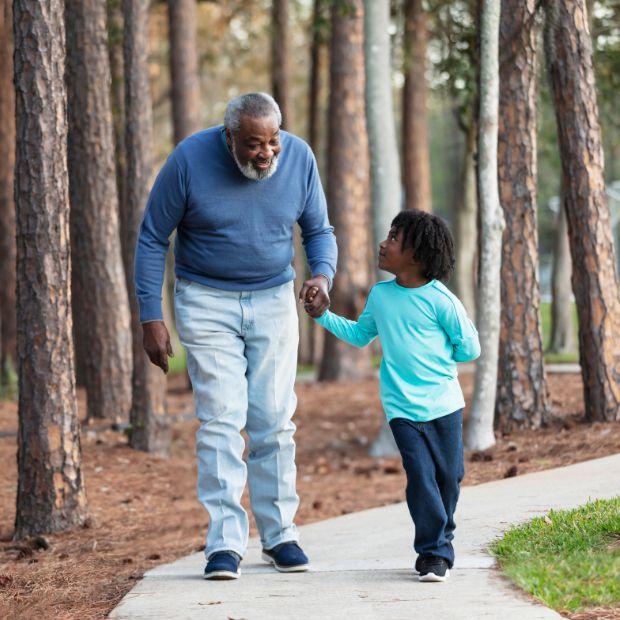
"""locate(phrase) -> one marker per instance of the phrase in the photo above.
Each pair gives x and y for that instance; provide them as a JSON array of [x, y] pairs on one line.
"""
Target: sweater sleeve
[[317, 234], [358, 333], [462, 333], [164, 210]]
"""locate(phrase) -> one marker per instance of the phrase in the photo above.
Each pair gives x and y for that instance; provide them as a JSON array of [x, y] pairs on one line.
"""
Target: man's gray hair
[[254, 105]]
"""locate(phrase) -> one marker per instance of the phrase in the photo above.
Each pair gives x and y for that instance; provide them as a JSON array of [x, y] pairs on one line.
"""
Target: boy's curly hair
[[431, 240]]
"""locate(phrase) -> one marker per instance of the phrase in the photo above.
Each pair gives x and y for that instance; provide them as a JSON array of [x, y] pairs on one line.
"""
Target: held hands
[[156, 342], [315, 296]]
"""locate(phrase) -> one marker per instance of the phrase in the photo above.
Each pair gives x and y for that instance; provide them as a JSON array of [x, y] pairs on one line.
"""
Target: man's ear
[[229, 138]]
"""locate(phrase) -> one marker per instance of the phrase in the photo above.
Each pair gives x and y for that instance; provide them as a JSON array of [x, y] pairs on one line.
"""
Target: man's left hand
[[320, 303]]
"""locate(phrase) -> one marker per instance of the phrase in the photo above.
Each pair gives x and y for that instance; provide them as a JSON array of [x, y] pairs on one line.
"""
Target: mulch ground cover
[[144, 510]]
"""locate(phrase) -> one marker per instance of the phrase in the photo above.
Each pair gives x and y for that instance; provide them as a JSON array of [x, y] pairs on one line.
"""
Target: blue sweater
[[233, 233], [424, 331]]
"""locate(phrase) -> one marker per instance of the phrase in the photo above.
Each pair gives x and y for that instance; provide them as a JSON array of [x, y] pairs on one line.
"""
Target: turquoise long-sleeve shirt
[[424, 332]]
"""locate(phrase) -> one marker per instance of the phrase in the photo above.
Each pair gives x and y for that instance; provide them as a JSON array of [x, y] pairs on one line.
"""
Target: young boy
[[424, 330]]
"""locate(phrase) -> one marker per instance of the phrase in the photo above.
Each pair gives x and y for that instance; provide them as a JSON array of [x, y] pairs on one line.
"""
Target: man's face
[[256, 146], [392, 258]]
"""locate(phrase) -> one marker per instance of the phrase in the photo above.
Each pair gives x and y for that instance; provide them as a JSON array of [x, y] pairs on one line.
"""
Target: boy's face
[[392, 257]]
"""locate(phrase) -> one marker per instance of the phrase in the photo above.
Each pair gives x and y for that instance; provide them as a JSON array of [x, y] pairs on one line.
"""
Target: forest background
[[135, 509]]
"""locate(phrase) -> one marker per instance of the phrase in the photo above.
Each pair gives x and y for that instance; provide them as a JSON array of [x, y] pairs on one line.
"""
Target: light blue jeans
[[242, 360]]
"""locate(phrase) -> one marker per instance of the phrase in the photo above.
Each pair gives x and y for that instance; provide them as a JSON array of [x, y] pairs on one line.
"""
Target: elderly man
[[233, 193]]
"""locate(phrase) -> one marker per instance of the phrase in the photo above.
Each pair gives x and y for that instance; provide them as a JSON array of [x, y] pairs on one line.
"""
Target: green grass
[[561, 358], [178, 363], [569, 559], [8, 383], [557, 358]]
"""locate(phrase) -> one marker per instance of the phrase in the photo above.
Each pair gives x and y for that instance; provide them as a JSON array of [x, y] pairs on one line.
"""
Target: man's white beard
[[250, 172]]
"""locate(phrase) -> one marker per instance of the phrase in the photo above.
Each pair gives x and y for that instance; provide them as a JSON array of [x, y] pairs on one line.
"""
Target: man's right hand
[[156, 342]]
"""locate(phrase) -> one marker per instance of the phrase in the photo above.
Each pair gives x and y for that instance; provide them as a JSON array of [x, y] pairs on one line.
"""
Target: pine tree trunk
[[595, 282], [384, 164], [316, 71], [8, 328], [522, 394], [184, 68], [117, 71], [280, 55], [467, 226], [315, 129], [479, 431], [100, 304], [280, 76], [150, 430], [50, 491], [562, 337], [416, 164], [348, 186], [305, 349], [381, 127]]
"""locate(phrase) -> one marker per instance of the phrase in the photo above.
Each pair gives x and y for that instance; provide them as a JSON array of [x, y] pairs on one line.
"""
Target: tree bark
[[594, 278], [315, 128], [280, 55], [117, 70], [467, 226], [479, 433], [8, 328], [562, 337], [50, 490], [305, 349], [280, 77], [100, 304], [522, 393], [184, 68], [348, 186], [380, 124], [150, 430], [416, 164], [316, 70], [384, 165]]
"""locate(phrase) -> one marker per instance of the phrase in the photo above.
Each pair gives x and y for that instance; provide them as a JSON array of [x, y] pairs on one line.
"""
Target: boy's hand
[[315, 296], [310, 296]]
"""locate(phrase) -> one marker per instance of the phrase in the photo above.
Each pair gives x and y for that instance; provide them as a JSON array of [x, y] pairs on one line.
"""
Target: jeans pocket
[[180, 285]]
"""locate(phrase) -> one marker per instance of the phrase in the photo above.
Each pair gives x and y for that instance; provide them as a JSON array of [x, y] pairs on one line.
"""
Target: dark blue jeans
[[432, 454]]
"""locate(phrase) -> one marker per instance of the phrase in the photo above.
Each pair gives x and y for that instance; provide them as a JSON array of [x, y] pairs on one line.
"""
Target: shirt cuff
[[329, 282], [150, 309], [323, 269], [321, 320]]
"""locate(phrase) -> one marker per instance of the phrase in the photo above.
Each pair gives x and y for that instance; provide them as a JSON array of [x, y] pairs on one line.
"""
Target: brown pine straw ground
[[144, 511]]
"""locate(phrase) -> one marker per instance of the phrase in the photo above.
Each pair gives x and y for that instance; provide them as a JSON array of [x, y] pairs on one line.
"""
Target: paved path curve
[[361, 563]]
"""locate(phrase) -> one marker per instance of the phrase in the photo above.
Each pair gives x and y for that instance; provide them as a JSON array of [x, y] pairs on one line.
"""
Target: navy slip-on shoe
[[223, 565], [287, 557]]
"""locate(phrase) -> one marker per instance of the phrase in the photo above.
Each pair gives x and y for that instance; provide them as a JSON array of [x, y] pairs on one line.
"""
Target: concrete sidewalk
[[362, 562]]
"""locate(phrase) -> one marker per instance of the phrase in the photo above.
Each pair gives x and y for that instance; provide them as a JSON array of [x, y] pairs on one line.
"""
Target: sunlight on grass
[[570, 560]]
